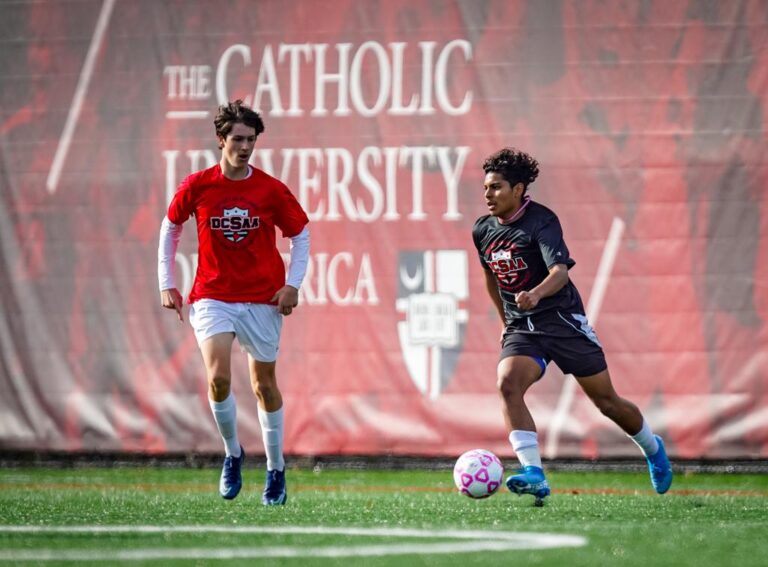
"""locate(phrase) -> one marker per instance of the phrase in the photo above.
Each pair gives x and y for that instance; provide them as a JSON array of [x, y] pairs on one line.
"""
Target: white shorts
[[257, 326]]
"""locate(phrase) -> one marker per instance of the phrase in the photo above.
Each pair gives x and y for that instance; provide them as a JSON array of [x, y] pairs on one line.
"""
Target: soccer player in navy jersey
[[526, 262], [240, 288]]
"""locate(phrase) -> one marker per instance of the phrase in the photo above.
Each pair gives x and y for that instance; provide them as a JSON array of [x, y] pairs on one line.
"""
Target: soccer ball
[[478, 473]]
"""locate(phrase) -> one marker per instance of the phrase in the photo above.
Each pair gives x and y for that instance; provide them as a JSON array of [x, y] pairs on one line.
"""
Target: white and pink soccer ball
[[478, 473]]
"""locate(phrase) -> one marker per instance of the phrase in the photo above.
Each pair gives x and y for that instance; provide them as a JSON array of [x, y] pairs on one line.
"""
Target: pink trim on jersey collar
[[518, 213]]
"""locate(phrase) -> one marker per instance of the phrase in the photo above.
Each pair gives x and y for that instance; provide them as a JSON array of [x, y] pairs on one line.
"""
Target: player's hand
[[287, 297], [171, 299], [527, 300]]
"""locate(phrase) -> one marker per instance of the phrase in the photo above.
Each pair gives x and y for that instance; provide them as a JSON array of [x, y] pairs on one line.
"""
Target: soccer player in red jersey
[[526, 263], [240, 288]]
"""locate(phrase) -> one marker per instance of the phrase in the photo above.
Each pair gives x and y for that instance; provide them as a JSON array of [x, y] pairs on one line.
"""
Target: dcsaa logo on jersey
[[433, 287], [235, 224], [507, 267]]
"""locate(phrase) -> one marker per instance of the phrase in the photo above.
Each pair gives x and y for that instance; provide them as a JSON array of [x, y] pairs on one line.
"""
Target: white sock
[[646, 440], [225, 415], [526, 447], [272, 434]]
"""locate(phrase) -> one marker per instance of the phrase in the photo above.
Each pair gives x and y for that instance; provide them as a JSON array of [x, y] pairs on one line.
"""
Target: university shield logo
[[236, 223], [433, 287]]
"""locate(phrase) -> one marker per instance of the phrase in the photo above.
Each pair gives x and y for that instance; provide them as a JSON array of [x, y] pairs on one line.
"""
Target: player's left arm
[[554, 282], [554, 252], [287, 297]]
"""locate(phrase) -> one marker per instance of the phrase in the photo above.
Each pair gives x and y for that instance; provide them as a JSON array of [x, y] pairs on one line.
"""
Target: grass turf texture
[[706, 519]]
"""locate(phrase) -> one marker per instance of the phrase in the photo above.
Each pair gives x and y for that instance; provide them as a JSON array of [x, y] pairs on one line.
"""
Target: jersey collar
[[518, 213]]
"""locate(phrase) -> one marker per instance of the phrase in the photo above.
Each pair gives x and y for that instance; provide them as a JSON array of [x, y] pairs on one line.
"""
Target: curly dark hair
[[234, 112], [513, 165]]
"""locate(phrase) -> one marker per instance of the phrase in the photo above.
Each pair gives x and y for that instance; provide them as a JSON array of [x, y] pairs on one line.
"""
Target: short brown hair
[[234, 112]]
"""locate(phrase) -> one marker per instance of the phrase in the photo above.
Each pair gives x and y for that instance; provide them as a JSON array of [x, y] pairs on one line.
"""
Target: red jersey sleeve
[[182, 205], [289, 217]]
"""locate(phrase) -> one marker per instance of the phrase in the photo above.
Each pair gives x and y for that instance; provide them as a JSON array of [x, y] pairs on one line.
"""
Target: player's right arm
[[170, 298], [491, 283], [492, 286], [181, 208]]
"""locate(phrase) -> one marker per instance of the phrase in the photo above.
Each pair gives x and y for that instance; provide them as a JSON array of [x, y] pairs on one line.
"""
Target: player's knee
[[265, 384], [268, 393], [608, 406], [510, 387], [219, 385]]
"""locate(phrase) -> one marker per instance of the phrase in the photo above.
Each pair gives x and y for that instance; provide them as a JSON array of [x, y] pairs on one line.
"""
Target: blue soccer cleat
[[530, 480], [660, 468], [275, 493], [231, 480]]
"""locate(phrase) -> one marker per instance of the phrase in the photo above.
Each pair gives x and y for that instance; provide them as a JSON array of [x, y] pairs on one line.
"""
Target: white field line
[[594, 304], [77, 100], [470, 541]]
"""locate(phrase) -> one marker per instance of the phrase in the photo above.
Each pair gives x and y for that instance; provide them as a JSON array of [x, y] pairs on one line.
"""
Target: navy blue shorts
[[563, 338]]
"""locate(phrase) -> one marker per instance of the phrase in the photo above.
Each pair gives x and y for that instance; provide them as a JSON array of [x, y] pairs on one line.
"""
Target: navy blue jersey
[[520, 255]]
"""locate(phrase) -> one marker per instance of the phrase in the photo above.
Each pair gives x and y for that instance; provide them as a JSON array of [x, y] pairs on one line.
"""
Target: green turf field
[[154, 516]]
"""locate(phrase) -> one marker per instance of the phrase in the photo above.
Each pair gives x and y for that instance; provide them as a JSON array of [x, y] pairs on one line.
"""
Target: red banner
[[648, 120]]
